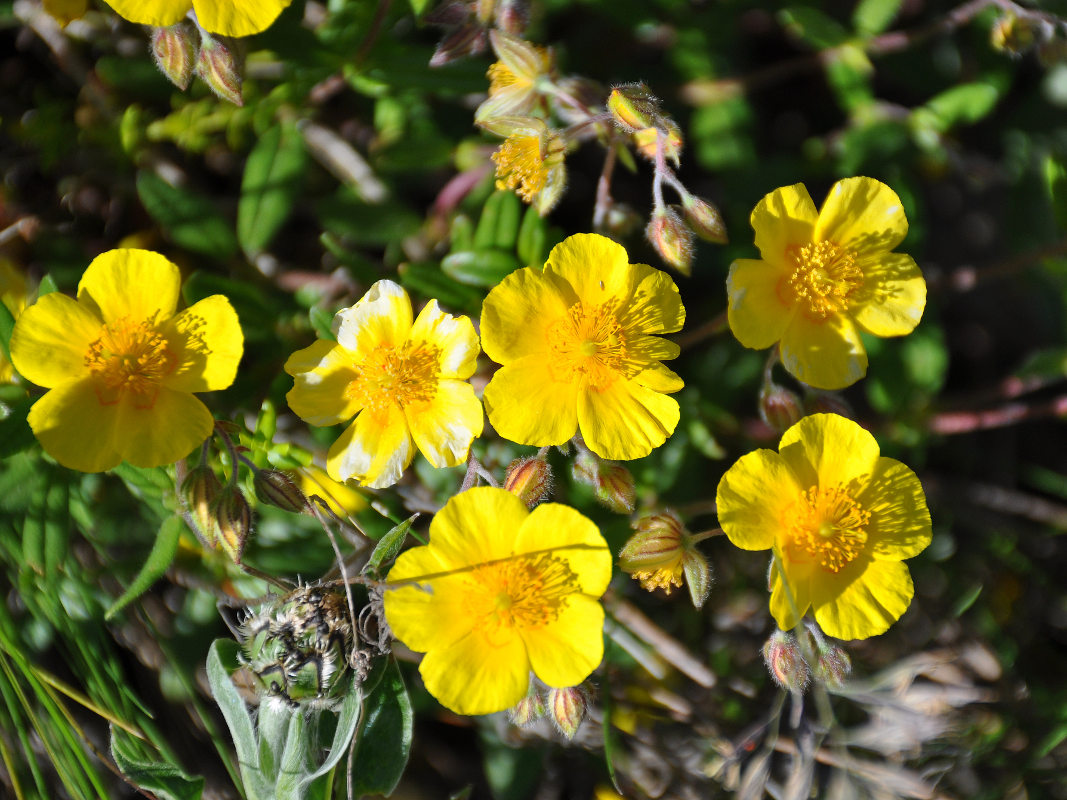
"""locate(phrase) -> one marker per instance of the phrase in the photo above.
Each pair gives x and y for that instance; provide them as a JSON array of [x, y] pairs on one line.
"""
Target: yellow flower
[[576, 341], [225, 17], [513, 80], [500, 591], [840, 519], [342, 499], [405, 383], [530, 161], [824, 276], [13, 295], [122, 365]]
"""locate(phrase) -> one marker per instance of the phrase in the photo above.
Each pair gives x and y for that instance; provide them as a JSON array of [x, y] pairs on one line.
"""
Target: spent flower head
[[662, 554], [530, 161]]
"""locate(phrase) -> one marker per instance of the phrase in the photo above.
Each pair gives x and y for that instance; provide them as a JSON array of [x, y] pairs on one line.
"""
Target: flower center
[[829, 526], [397, 376], [824, 278], [523, 592], [588, 342], [129, 357], [500, 76], [523, 163]]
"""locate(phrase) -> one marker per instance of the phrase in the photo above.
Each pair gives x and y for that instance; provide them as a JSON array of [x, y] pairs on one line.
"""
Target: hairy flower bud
[[668, 137], [530, 709], [785, 662], [612, 483], [568, 707], [779, 407], [530, 479], [221, 67], [705, 219], [200, 490], [633, 107], [697, 576], [176, 50], [276, 488], [672, 238], [234, 520], [833, 665]]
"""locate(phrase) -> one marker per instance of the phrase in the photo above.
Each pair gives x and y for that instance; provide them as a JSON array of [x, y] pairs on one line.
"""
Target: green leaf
[[347, 720], [191, 220], [499, 224], [384, 736], [163, 779], [813, 26], [15, 432], [159, 559], [272, 179], [389, 545], [230, 702], [479, 267], [1056, 180], [322, 321], [531, 244], [7, 325], [966, 103], [46, 286], [871, 17], [418, 6]]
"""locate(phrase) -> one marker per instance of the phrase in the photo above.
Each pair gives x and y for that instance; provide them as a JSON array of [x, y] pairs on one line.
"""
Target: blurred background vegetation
[[352, 159]]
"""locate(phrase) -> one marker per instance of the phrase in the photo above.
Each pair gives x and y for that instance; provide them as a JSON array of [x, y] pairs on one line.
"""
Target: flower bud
[[779, 407], [220, 67], [512, 16], [569, 707], [672, 239], [275, 488], [833, 665], [200, 490], [655, 553], [1015, 35], [705, 219], [234, 520], [633, 107], [612, 483], [697, 576], [785, 662], [466, 40], [528, 710], [668, 137], [176, 51], [530, 479]]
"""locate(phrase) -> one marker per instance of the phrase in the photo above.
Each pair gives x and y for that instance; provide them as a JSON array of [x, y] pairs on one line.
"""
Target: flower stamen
[[524, 592], [397, 376], [589, 342], [824, 278], [129, 357], [830, 526]]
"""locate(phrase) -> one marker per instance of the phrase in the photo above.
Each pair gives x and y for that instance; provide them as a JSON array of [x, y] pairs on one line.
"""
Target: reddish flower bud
[[612, 483], [833, 665], [705, 219], [672, 238], [221, 67], [276, 488], [785, 662], [779, 407], [829, 403], [512, 16], [234, 520], [530, 479], [200, 490], [569, 707], [530, 709], [176, 50]]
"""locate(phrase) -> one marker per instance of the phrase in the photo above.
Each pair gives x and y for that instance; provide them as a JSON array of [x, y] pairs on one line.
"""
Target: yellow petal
[[758, 316], [651, 302], [517, 312], [75, 429], [791, 597], [644, 349], [626, 420], [375, 449], [175, 425], [829, 450], [322, 374], [867, 604], [454, 336], [596, 268], [527, 406], [478, 525], [444, 427], [571, 536], [783, 218], [565, 651], [428, 616], [900, 521], [752, 497], [893, 295], [208, 341], [66, 11], [862, 215], [474, 676], [381, 316], [238, 17], [827, 354], [158, 13], [51, 338], [659, 379], [138, 284]]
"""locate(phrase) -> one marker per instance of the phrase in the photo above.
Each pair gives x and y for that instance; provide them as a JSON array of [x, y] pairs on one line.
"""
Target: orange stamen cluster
[[824, 278], [830, 526], [400, 375], [523, 592], [129, 358], [589, 342]]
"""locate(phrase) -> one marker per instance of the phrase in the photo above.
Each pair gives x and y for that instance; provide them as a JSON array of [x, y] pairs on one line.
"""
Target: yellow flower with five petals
[[498, 592], [225, 17], [824, 276], [404, 382], [579, 350], [840, 518], [122, 365]]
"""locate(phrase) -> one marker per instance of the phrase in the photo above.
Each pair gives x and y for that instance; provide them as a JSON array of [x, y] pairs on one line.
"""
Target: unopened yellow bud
[[276, 488], [176, 50], [633, 107], [568, 707], [672, 238], [705, 219], [779, 408], [528, 710], [234, 520], [667, 136], [530, 479], [785, 662], [200, 490], [220, 66]]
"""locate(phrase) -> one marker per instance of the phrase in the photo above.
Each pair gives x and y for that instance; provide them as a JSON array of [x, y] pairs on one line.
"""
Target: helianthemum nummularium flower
[[501, 591], [225, 17], [824, 276], [122, 365], [514, 78], [577, 341], [840, 519], [405, 383], [530, 161]]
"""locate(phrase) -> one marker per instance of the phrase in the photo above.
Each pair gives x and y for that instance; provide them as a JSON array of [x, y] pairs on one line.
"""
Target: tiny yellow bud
[[668, 137], [220, 67], [569, 707], [234, 520], [530, 479], [785, 662], [705, 219], [633, 107], [672, 238], [176, 50], [1015, 35], [276, 488], [200, 490]]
